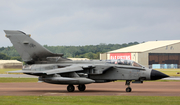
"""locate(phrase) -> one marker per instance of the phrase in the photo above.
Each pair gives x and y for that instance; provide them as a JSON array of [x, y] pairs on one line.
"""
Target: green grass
[[89, 100], [4, 71], [9, 80], [170, 72]]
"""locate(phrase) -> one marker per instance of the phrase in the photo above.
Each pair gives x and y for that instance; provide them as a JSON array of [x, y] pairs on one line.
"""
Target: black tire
[[128, 89], [82, 87], [70, 88]]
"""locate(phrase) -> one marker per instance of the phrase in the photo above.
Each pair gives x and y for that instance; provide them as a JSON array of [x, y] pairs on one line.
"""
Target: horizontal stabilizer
[[51, 71], [25, 71]]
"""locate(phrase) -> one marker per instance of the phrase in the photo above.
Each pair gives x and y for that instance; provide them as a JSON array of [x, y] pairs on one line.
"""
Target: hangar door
[[164, 58]]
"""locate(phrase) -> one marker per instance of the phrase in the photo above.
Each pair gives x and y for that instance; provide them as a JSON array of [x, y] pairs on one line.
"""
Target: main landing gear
[[71, 88], [128, 89], [82, 87]]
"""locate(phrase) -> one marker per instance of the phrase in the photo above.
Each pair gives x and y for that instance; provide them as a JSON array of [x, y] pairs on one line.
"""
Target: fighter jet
[[55, 69]]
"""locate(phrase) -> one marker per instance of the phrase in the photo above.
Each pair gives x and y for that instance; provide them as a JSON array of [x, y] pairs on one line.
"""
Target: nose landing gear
[[128, 89]]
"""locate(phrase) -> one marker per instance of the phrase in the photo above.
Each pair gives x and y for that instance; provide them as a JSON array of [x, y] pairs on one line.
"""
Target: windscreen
[[123, 62]]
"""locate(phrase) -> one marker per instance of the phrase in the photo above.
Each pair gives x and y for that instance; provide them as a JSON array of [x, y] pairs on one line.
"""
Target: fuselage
[[100, 71]]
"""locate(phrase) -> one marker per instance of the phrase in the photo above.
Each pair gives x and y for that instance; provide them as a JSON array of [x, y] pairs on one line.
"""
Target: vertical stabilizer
[[28, 49]]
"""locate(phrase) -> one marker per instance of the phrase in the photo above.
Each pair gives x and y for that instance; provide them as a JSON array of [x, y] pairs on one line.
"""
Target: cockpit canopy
[[124, 62]]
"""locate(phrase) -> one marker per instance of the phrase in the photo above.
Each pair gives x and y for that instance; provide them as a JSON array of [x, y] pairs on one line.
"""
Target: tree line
[[88, 51]]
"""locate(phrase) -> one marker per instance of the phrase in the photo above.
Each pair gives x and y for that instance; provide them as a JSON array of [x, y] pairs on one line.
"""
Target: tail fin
[[28, 49]]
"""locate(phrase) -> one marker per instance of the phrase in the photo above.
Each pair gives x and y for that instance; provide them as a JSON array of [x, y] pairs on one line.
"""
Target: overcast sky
[[91, 22]]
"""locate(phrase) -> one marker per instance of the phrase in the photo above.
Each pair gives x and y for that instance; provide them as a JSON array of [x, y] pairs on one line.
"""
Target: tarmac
[[148, 88], [95, 89]]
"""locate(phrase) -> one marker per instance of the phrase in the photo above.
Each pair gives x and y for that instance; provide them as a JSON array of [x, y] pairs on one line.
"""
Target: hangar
[[148, 53], [4, 64]]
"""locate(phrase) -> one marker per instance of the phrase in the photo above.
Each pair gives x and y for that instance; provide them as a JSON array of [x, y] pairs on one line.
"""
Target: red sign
[[120, 56]]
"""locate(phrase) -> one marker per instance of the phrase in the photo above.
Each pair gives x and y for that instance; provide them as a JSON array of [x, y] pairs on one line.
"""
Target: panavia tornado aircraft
[[53, 68]]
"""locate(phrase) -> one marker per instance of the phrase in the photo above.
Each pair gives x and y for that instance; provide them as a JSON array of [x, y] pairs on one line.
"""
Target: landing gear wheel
[[82, 87], [70, 88], [128, 89]]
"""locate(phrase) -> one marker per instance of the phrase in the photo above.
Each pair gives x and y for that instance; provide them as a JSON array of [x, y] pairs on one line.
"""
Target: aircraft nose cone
[[155, 75]]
